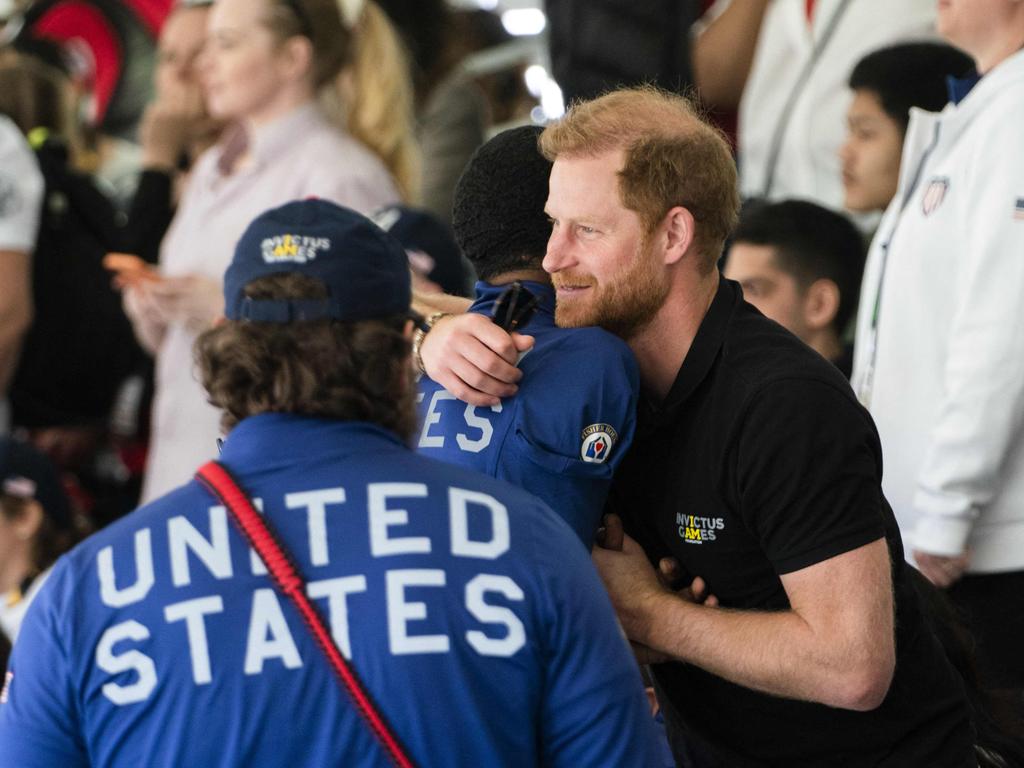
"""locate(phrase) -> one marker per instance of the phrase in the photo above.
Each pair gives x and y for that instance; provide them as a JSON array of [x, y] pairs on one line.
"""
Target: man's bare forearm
[[775, 653], [429, 303], [15, 311], [724, 52], [835, 645]]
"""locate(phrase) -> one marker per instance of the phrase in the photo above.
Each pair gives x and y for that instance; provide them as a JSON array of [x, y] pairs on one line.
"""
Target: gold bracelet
[[419, 335]]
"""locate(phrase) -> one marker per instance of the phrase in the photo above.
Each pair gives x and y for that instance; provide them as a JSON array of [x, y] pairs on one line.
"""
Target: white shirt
[[943, 376], [298, 156], [21, 201], [21, 190], [808, 165]]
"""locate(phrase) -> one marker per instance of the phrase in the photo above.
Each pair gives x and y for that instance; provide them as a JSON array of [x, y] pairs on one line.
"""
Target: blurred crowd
[[877, 153]]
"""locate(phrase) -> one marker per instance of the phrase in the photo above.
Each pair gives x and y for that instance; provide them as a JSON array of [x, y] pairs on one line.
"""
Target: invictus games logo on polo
[[694, 529], [293, 248], [598, 440]]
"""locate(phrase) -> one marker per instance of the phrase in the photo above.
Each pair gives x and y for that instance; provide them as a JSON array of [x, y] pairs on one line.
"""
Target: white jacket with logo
[[943, 375]]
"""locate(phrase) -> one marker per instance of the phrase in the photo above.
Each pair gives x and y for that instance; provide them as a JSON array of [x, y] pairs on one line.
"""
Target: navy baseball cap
[[365, 270], [26, 473], [430, 246]]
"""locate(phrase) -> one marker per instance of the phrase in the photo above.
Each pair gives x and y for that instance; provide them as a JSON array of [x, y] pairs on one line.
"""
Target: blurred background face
[[961, 20], [775, 293], [870, 155], [242, 65], [181, 41], [15, 547]]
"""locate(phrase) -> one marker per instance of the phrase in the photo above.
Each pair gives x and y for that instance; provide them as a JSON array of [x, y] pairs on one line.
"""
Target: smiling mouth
[[571, 290]]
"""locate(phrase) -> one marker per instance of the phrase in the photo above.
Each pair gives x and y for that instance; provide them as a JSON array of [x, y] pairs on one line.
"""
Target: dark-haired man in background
[[800, 264]]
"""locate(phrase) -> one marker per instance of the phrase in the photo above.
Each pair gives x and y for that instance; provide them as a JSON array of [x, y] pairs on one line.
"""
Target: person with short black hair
[[886, 85], [562, 436], [800, 264], [451, 604]]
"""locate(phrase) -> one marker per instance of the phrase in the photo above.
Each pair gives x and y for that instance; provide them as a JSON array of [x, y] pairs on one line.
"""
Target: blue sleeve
[[575, 420], [594, 710], [38, 716]]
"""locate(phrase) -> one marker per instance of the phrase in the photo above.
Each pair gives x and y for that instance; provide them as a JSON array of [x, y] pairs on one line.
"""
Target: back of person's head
[[498, 212], [360, 72], [810, 243], [673, 157], [910, 75], [379, 103], [317, 305]]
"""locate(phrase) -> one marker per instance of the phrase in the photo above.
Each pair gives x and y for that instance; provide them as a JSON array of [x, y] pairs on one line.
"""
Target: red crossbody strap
[[215, 477]]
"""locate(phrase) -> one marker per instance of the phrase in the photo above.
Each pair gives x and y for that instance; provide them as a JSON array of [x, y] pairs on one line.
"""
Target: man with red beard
[[753, 467]]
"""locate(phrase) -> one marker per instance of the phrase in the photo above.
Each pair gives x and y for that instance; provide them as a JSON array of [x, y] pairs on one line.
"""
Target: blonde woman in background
[[320, 101]]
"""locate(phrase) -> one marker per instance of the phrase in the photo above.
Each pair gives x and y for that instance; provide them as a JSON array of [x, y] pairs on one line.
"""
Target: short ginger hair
[[674, 157]]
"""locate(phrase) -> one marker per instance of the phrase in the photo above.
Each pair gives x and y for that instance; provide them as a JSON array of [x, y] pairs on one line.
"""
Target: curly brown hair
[[352, 371]]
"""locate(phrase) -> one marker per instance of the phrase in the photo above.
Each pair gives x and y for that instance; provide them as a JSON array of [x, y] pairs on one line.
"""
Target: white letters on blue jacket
[[566, 430], [476, 622]]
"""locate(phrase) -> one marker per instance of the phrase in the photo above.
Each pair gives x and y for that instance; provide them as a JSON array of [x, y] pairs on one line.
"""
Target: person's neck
[[522, 275], [286, 102], [998, 51], [827, 344], [661, 346]]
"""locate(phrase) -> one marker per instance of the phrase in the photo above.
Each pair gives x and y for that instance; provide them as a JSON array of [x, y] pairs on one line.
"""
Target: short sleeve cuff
[[833, 548]]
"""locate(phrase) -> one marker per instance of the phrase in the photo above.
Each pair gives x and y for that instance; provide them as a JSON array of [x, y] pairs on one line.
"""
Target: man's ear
[[821, 303], [407, 331], [27, 524], [679, 228]]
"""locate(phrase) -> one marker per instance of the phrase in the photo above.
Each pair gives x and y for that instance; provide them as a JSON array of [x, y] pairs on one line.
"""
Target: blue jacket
[[566, 430], [481, 631]]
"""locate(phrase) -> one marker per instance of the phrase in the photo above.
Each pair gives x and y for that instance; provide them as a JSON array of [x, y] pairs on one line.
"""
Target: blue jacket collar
[[959, 87], [276, 439], [487, 295]]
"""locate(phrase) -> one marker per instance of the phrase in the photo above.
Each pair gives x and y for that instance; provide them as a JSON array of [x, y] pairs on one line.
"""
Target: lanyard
[[866, 382], [216, 479]]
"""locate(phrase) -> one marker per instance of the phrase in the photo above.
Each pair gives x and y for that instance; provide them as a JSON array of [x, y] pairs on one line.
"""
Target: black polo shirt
[[761, 462]]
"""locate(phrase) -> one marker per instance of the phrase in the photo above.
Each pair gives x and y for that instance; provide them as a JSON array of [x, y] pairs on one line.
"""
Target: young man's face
[[776, 293], [604, 271], [871, 154]]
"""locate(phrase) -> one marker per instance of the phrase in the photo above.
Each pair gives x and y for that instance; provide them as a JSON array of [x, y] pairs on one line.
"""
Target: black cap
[[427, 240], [498, 215], [26, 473]]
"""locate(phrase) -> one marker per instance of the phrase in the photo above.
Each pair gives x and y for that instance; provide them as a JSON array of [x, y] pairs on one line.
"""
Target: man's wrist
[[652, 611], [419, 335]]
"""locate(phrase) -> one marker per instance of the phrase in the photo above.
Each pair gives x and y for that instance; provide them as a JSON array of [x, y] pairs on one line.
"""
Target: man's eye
[[587, 230]]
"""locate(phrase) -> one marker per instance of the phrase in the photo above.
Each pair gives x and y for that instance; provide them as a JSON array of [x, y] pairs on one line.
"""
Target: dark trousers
[[993, 607]]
